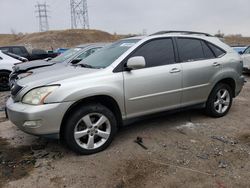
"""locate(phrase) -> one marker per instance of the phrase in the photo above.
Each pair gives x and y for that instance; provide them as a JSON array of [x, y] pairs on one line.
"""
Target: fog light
[[32, 124]]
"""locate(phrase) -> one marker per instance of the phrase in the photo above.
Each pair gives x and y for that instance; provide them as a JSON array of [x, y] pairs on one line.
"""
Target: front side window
[[190, 49], [157, 52]]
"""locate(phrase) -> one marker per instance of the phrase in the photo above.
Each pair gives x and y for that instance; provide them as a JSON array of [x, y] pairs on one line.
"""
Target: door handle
[[175, 70], [215, 64]]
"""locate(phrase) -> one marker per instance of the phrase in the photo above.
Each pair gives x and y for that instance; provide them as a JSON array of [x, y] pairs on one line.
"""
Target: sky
[[133, 16]]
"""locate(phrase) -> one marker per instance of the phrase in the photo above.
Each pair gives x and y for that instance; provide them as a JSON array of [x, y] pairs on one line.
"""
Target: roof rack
[[184, 32]]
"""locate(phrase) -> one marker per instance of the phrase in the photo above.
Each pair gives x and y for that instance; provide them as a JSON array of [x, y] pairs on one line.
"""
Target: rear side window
[[157, 52], [217, 51], [190, 49], [208, 53]]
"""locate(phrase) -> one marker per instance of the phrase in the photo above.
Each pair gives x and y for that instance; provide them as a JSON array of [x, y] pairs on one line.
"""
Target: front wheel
[[90, 129], [219, 101]]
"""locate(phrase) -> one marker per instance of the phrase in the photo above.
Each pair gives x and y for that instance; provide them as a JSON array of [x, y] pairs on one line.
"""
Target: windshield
[[66, 55], [239, 49], [107, 55]]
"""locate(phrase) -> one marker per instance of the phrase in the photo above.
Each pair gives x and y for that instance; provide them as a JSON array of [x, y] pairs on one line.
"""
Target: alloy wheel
[[222, 101], [92, 131]]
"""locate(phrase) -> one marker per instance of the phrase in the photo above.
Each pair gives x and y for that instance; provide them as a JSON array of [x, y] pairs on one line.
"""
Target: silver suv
[[86, 103]]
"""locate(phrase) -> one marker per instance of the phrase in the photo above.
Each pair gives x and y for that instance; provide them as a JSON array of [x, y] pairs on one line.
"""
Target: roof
[[181, 32]]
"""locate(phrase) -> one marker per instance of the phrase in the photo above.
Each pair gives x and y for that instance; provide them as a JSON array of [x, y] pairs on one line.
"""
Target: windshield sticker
[[127, 44]]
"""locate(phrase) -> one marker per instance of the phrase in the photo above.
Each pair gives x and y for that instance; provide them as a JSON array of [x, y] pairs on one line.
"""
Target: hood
[[54, 75], [23, 67]]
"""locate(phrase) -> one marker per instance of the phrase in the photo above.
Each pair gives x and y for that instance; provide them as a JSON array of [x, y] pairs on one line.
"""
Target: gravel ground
[[185, 149]]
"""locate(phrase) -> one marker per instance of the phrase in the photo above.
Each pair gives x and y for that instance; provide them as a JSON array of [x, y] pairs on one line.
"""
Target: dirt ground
[[185, 149]]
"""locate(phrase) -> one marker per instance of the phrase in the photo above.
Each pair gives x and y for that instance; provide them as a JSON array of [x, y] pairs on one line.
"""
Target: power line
[[42, 10], [79, 14]]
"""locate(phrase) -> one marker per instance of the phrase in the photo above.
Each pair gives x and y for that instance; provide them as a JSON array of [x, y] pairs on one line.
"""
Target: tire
[[4, 81], [219, 101], [94, 123]]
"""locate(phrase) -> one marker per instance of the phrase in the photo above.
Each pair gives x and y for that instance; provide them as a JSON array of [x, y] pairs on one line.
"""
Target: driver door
[[156, 87]]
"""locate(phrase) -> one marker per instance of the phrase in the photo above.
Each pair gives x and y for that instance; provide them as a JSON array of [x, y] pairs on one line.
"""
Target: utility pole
[[79, 14], [42, 10]]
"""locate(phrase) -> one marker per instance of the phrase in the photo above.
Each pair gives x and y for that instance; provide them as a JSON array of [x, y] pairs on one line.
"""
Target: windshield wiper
[[84, 65]]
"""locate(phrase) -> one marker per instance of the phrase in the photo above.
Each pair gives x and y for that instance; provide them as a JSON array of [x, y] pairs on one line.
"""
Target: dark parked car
[[23, 52], [71, 56]]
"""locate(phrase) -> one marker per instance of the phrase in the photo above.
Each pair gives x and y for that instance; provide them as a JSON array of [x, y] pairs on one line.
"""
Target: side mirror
[[241, 53], [134, 63]]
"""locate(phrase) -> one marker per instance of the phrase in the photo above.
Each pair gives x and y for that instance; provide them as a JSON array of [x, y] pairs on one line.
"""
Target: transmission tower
[[79, 14], [42, 10]]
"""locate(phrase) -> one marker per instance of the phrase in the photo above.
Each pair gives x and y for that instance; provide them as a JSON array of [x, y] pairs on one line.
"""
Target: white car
[[6, 64], [246, 60]]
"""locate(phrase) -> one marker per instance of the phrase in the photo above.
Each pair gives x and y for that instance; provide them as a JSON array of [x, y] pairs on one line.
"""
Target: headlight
[[38, 95]]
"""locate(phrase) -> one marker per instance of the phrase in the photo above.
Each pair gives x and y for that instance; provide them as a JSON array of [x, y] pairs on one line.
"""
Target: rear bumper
[[47, 118], [246, 70], [240, 83]]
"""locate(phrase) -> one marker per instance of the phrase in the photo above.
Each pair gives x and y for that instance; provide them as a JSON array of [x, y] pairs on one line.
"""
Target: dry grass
[[234, 40], [70, 38], [56, 39]]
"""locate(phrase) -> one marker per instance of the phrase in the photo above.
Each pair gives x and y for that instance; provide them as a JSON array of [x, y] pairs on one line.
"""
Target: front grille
[[15, 89]]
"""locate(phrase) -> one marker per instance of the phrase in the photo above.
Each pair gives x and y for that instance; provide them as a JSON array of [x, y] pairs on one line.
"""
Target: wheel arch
[[5, 70], [105, 100], [229, 81]]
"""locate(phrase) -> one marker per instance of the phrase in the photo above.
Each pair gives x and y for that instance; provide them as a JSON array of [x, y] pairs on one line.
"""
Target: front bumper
[[48, 116]]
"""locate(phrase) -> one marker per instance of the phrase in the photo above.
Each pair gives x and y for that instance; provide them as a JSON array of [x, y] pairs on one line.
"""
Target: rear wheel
[[4, 81], [219, 101], [90, 129]]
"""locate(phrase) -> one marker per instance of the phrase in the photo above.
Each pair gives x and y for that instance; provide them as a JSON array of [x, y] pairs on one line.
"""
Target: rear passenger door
[[156, 87], [200, 64]]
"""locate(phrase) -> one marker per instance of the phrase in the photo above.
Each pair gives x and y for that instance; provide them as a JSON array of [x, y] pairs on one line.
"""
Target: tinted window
[[217, 51], [207, 51], [190, 49], [5, 49], [17, 51], [157, 52]]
